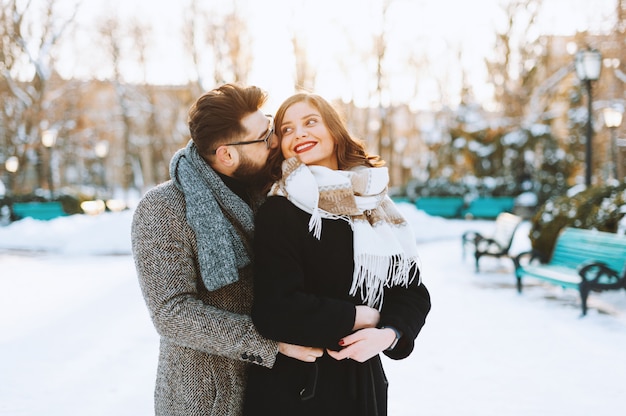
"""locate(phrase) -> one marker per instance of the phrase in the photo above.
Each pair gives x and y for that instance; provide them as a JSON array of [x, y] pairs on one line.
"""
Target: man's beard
[[247, 171]]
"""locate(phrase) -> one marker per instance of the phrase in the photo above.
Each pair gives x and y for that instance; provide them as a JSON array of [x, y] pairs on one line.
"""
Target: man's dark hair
[[215, 117]]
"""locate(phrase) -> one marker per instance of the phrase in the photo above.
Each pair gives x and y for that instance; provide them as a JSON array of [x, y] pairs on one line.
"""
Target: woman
[[335, 268]]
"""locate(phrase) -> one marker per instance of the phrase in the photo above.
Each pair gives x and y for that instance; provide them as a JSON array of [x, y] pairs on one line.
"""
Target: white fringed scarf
[[385, 250]]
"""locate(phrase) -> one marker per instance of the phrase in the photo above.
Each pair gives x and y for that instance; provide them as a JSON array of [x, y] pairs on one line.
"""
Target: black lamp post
[[588, 65]]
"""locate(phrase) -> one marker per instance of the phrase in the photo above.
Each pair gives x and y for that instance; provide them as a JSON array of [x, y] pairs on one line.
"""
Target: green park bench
[[585, 260], [497, 243], [489, 207], [38, 210], [447, 207]]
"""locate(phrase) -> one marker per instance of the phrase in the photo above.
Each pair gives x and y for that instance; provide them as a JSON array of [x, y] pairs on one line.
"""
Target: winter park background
[[76, 339]]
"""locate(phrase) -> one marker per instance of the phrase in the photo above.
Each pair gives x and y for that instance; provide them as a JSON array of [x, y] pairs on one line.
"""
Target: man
[[191, 239]]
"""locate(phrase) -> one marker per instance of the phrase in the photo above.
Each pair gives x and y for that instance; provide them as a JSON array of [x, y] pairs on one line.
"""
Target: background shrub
[[597, 208]]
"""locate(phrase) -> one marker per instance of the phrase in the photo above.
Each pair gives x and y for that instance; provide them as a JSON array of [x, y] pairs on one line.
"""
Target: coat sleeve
[[284, 308], [165, 260], [405, 308]]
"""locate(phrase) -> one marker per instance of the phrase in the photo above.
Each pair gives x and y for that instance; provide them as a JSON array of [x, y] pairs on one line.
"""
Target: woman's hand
[[366, 317], [308, 354], [364, 344]]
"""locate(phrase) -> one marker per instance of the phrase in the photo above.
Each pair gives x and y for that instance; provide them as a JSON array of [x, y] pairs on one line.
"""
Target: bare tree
[[229, 39], [517, 55], [226, 36], [237, 46], [149, 144], [112, 35], [29, 33], [160, 114], [305, 72], [193, 23], [384, 136]]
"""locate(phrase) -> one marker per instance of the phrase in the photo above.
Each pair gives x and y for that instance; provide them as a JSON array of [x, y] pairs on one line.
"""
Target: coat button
[[244, 356], [259, 359]]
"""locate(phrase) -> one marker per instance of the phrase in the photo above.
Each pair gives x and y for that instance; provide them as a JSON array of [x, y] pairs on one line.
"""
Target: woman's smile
[[303, 147]]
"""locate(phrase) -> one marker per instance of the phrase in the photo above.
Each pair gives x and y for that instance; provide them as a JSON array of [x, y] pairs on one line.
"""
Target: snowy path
[[76, 339]]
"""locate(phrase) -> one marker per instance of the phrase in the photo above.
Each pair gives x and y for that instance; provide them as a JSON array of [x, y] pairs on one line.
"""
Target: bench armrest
[[471, 236], [599, 276], [484, 244], [531, 256]]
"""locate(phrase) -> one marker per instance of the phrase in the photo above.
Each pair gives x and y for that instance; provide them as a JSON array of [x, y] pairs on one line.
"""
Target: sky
[[337, 35], [76, 337]]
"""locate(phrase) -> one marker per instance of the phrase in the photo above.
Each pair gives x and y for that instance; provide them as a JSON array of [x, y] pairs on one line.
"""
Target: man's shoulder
[[164, 188], [165, 191], [165, 194]]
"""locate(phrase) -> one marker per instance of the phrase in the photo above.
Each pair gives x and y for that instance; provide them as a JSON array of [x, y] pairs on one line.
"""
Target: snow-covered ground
[[76, 339]]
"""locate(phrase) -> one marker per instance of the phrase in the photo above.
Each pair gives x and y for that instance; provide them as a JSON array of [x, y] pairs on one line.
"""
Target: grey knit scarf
[[223, 222]]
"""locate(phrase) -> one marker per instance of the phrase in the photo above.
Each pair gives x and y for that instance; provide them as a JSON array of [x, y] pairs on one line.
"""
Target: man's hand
[[364, 344], [308, 354]]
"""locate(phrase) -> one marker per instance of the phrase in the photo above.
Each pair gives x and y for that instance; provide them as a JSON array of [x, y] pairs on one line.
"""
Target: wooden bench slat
[[555, 274], [447, 207], [38, 210], [489, 207]]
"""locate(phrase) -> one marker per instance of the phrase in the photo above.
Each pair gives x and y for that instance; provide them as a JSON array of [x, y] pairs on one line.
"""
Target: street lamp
[[11, 165], [588, 64], [613, 119], [48, 139]]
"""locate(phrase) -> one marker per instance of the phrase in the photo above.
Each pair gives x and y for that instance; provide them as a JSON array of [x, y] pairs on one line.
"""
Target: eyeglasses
[[267, 138]]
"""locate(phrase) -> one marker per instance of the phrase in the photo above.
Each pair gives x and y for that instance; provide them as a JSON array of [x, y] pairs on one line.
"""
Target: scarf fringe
[[315, 223], [399, 271]]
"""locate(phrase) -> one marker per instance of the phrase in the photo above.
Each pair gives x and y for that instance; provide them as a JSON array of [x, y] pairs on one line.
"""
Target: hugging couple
[[274, 266]]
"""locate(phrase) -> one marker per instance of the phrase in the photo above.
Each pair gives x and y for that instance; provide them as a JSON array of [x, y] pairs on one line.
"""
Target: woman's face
[[305, 135]]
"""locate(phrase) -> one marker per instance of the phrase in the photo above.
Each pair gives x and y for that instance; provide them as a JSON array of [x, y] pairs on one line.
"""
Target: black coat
[[301, 297]]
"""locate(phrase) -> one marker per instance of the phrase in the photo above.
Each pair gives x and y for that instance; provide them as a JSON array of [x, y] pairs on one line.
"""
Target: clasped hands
[[364, 343]]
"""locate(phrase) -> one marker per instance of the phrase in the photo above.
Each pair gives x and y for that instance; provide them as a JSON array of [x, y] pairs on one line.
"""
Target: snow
[[76, 337]]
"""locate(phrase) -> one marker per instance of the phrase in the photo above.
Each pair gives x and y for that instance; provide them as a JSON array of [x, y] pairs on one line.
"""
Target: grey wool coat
[[207, 338]]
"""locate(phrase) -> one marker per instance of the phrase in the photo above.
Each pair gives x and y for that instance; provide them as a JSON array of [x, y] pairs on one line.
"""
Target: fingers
[[307, 354], [361, 345], [351, 339], [338, 355], [350, 344], [351, 353]]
